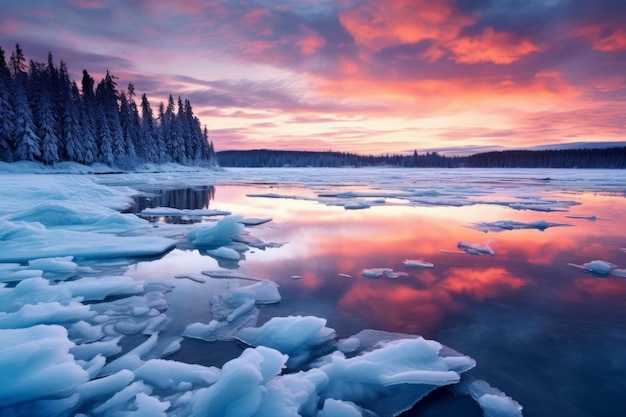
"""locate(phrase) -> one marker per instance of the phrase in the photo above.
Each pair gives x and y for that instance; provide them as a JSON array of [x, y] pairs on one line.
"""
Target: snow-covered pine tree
[[47, 134], [148, 131], [88, 119], [68, 109], [7, 116], [27, 143], [106, 99], [128, 130]]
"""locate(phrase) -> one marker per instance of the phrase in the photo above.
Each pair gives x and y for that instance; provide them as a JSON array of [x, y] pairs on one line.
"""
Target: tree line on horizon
[[561, 158], [46, 117]]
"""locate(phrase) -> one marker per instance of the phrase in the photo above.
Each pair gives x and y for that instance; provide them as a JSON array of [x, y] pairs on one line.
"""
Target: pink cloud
[[491, 46], [604, 37]]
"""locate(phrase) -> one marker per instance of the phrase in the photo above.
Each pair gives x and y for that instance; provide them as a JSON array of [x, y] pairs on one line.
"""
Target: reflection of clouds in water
[[409, 307]]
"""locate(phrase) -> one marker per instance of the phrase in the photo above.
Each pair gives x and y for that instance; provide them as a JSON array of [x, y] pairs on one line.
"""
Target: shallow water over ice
[[547, 334]]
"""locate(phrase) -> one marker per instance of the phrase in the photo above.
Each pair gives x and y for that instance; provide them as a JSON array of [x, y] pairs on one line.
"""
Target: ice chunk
[[501, 225], [494, 402], [591, 218], [392, 376], [120, 399], [296, 336], [240, 387], [596, 267], [88, 351], [254, 242], [292, 394], [191, 277], [225, 274], [224, 252], [254, 221], [338, 408], [147, 406], [417, 263], [21, 242], [264, 292], [619, 272], [55, 268], [35, 363], [474, 248], [359, 205], [374, 273], [45, 313], [167, 374], [348, 345], [216, 235], [133, 359]]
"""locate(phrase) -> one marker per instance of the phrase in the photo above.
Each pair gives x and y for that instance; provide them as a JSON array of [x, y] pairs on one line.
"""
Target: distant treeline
[[566, 158], [45, 117]]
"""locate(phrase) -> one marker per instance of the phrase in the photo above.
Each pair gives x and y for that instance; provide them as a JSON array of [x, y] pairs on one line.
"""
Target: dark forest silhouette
[[46, 117], [566, 158]]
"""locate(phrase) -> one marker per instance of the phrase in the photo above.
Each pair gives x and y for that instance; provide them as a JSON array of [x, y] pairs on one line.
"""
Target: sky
[[362, 76]]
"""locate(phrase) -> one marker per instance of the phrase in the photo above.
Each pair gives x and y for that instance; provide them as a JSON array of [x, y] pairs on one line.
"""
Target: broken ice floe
[[601, 268], [297, 337], [194, 278], [494, 402], [226, 274], [472, 248], [417, 263], [234, 310], [374, 273], [24, 241], [502, 225], [255, 221]]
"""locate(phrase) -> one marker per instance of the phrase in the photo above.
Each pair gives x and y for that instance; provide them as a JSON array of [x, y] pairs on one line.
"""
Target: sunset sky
[[363, 76]]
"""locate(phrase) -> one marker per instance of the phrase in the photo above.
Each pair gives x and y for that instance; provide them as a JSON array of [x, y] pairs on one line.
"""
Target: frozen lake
[[496, 264]]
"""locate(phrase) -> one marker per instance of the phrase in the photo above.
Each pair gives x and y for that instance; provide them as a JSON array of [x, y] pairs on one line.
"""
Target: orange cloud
[[481, 283], [491, 46], [603, 38], [310, 42], [380, 24]]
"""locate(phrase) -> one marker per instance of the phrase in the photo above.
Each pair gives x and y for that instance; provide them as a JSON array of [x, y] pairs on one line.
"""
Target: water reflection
[[184, 199], [547, 334]]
